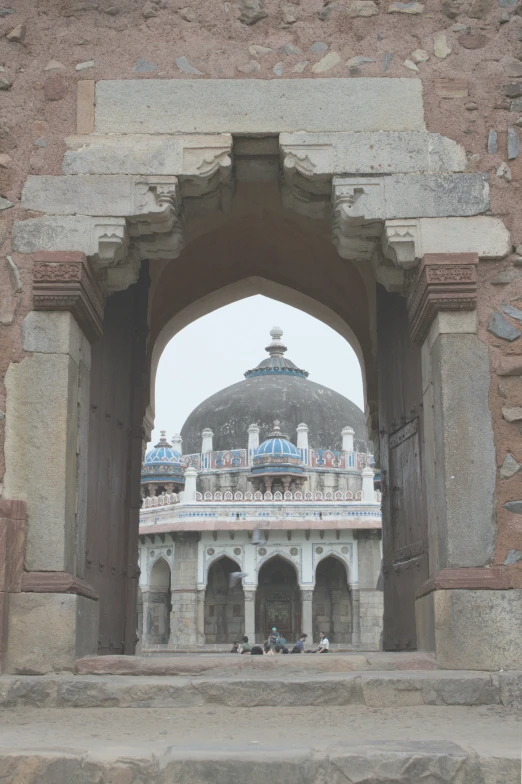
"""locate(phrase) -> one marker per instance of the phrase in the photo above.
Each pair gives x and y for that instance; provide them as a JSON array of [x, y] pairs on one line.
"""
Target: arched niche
[[224, 603], [332, 601]]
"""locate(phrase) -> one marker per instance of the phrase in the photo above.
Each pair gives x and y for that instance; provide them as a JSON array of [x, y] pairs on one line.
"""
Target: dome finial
[[276, 347], [163, 440], [276, 432]]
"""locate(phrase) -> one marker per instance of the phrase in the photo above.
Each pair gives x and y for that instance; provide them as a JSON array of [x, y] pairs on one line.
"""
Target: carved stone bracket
[[157, 205], [64, 281], [446, 281], [401, 242]]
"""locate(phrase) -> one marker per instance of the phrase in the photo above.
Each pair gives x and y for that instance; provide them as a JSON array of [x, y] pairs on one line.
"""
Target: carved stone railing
[[228, 497]]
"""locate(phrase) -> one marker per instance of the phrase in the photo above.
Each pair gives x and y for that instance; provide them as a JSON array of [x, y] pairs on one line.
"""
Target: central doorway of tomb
[[277, 600]]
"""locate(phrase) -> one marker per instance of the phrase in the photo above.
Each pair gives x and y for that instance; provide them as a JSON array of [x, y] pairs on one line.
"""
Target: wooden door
[[118, 386], [404, 509]]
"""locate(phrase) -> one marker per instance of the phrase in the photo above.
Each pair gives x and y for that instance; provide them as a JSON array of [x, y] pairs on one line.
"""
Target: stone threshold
[[215, 662], [370, 689]]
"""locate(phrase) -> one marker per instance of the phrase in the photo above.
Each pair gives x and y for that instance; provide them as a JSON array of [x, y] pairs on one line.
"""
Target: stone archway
[[157, 604], [110, 225], [224, 604], [278, 600], [332, 610]]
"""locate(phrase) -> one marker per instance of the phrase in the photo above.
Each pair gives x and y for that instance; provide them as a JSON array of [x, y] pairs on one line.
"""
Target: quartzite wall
[[463, 56]]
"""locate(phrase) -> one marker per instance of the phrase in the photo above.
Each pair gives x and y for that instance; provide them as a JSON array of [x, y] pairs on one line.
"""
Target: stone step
[[196, 745], [370, 689], [221, 663]]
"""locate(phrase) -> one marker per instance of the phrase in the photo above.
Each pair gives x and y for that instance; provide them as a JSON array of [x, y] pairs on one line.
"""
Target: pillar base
[[472, 629], [47, 632]]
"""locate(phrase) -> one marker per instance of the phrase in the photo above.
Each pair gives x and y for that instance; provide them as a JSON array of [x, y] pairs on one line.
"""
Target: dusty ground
[[492, 730]]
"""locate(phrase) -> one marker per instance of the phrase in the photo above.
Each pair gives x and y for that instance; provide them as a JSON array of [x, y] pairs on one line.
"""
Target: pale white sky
[[214, 352]]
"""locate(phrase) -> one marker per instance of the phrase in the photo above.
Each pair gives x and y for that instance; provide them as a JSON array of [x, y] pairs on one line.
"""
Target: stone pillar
[[465, 607], [147, 620], [189, 493], [356, 614], [184, 592], [253, 441], [307, 626], [250, 613], [368, 490], [207, 440], [302, 441], [54, 618], [177, 443], [200, 615], [347, 434]]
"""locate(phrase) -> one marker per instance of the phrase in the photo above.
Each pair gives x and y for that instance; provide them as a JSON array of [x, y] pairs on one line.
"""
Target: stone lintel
[[63, 280], [446, 281], [57, 582], [258, 106], [494, 578]]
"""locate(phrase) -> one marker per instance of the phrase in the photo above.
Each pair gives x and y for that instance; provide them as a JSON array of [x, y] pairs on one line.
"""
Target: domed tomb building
[[262, 513]]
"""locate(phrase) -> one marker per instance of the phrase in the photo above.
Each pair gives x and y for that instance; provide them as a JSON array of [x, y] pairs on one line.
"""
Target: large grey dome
[[275, 389]]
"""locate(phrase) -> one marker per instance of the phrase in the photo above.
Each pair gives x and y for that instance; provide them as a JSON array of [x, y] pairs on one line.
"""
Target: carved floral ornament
[[444, 282]]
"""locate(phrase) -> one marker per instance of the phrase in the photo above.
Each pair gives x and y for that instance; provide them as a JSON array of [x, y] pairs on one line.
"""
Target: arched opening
[[256, 249], [277, 600], [158, 604], [332, 601], [224, 603]]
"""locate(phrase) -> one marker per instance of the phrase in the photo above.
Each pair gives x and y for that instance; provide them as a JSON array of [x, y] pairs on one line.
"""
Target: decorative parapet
[[446, 281], [64, 281], [228, 497]]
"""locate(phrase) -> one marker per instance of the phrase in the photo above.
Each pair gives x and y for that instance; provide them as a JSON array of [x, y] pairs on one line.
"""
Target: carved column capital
[[307, 594], [63, 280], [445, 281]]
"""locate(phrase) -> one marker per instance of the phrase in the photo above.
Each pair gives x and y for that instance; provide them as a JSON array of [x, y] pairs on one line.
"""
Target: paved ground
[[152, 730], [217, 745]]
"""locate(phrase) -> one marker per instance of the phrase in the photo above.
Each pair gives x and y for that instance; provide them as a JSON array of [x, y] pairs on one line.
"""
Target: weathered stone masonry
[[469, 80]]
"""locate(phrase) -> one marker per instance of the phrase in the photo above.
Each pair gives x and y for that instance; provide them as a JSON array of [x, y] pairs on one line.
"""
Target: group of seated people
[[276, 644]]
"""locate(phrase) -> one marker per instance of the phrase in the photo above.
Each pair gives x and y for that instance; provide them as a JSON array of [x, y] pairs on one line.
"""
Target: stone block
[[412, 196], [103, 195], [55, 233], [482, 234], [466, 527], [181, 155], [247, 106], [319, 154], [49, 631], [85, 106], [473, 630], [42, 410], [511, 689], [52, 332]]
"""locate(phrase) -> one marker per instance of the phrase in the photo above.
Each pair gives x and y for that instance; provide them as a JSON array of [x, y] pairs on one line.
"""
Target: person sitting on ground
[[235, 647], [299, 646], [324, 644], [281, 641], [269, 651], [285, 650], [272, 637], [278, 649], [245, 645], [256, 651]]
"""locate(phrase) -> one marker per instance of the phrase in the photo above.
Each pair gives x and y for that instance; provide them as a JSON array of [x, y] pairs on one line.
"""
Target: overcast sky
[[214, 352]]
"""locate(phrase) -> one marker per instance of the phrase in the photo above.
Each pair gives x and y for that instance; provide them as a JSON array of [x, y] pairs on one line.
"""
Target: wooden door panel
[[405, 531], [118, 372]]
